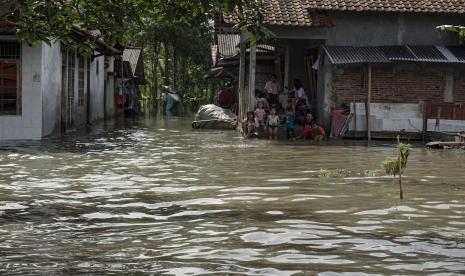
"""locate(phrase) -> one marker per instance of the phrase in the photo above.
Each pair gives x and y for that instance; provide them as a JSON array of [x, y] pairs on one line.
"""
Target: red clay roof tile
[[420, 6], [289, 13]]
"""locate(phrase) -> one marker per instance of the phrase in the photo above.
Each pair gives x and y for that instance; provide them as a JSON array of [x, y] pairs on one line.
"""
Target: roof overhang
[[396, 53]]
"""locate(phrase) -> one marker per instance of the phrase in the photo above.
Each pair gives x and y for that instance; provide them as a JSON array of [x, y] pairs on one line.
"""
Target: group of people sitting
[[265, 118]]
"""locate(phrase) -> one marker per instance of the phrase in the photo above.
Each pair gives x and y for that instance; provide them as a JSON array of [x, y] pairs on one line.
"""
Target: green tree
[[43, 20]]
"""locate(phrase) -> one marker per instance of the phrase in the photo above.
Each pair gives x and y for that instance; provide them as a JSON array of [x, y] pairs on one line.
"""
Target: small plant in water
[[396, 165]]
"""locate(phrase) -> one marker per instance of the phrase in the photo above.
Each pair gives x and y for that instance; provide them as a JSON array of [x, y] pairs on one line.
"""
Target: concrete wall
[[398, 116], [110, 103], [97, 91], [28, 125], [375, 29], [51, 88]]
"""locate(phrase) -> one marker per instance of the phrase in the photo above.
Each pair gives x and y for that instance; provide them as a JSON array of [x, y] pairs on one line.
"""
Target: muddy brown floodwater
[[157, 198]]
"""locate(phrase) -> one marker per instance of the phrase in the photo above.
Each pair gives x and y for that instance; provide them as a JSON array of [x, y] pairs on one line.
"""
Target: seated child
[[273, 123], [318, 133], [250, 125], [307, 126]]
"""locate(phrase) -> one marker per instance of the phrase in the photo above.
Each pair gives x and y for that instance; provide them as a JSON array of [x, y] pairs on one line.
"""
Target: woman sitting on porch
[[299, 92]]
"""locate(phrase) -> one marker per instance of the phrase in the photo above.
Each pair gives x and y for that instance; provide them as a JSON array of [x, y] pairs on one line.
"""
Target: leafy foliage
[[459, 30], [42, 20], [391, 164]]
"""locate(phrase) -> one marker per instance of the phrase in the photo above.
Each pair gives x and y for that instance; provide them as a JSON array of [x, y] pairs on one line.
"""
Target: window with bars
[[81, 74], [10, 92]]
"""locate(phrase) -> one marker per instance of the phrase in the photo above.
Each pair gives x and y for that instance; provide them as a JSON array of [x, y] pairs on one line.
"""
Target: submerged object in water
[[211, 116], [444, 145]]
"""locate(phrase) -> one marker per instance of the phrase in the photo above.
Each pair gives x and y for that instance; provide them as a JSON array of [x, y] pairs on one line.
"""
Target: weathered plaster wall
[[51, 88], [28, 125], [375, 29]]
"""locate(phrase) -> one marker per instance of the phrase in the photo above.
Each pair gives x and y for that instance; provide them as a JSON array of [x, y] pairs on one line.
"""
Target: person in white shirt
[[273, 89], [299, 92]]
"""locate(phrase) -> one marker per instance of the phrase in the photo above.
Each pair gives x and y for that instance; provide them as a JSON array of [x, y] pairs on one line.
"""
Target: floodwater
[[156, 198]]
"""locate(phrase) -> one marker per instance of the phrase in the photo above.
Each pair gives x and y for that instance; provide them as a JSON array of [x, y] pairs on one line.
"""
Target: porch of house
[[288, 59]]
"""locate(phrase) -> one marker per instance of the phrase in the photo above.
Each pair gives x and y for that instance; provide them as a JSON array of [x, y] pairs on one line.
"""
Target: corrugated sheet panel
[[132, 56], [428, 54], [349, 54], [385, 54], [398, 53], [227, 44], [458, 52]]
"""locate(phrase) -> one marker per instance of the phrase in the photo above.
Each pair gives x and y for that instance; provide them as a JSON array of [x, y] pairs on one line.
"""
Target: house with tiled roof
[[384, 60]]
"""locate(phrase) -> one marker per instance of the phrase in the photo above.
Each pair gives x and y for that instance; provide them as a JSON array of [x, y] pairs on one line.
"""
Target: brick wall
[[459, 89], [389, 86]]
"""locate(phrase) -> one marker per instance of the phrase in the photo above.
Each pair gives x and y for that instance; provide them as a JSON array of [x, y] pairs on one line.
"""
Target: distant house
[[386, 53], [49, 89], [130, 72]]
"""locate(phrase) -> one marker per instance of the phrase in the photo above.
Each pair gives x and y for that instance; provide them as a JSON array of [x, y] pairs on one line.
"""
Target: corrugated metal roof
[[428, 54], [133, 56], [227, 45], [349, 54], [386, 54], [398, 53], [458, 52]]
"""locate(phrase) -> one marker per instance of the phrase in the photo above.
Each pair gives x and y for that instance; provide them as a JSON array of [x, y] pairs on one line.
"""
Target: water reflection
[[156, 197]]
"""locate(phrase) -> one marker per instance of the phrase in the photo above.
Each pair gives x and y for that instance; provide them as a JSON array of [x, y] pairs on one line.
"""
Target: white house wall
[[97, 84], [51, 88], [28, 125]]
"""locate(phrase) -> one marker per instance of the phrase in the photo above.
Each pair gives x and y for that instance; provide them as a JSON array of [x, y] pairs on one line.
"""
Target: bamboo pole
[[368, 108], [399, 161], [287, 63]]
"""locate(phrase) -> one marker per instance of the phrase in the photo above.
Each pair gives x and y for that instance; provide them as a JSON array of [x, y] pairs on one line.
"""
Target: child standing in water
[[273, 122], [290, 120], [260, 114]]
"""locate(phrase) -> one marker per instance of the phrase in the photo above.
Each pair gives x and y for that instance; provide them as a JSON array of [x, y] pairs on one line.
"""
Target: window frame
[[18, 62]]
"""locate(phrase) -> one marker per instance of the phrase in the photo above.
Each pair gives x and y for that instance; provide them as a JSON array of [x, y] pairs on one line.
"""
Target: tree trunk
[[155, 70], [175, 70], [167, 65]]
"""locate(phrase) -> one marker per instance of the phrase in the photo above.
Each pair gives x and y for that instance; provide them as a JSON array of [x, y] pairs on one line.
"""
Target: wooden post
[[286, 67], [355, 119], [241, 88], [425, 119], [399, 161], [368, 107], [252, 70]]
